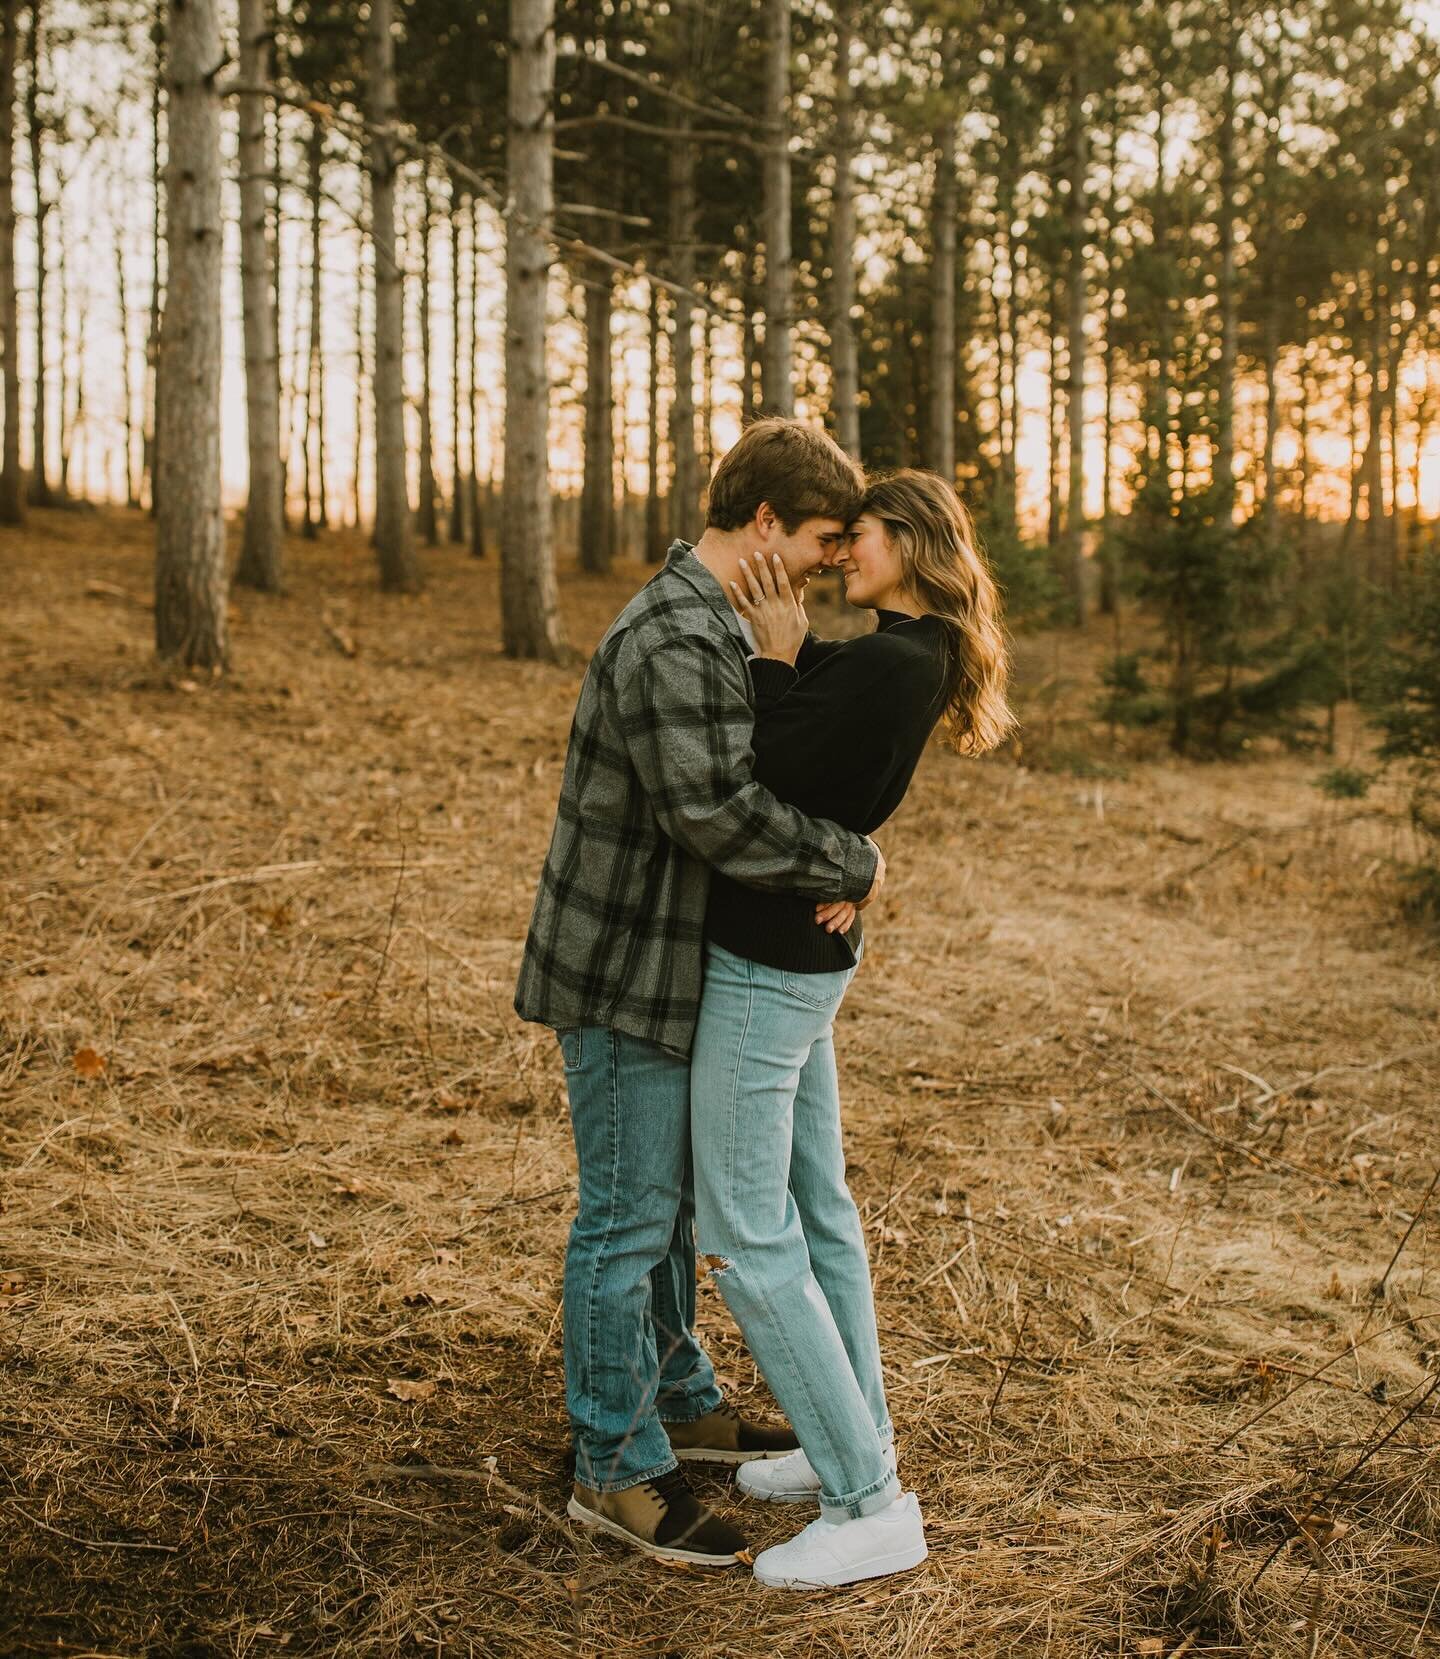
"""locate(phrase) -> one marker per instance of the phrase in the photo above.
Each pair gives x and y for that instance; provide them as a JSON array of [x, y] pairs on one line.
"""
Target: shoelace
[[670, 1486]]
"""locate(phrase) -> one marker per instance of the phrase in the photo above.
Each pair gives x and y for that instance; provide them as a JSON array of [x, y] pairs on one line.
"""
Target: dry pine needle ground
[[1140, 1077]]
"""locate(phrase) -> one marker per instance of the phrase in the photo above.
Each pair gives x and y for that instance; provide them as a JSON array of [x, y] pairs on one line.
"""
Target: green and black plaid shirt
[[657, 791]]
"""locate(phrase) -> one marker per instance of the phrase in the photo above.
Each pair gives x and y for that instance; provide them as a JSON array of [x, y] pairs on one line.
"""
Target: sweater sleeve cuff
[[771, 679]]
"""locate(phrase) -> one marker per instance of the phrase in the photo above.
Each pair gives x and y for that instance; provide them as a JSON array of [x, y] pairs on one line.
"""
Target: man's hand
[[766, 602], [878, 882]]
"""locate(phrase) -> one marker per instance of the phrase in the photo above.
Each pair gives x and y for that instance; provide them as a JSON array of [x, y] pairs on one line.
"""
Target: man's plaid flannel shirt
[[657, 791]]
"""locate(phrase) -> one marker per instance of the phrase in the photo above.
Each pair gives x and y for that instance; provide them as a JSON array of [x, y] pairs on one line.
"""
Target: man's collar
[[683, 561]]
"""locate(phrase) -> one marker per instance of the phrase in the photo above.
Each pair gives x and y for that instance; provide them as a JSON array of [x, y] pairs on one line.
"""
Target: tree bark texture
[[39, 491], [779, 387], [529, 602], [941, 434], [429, 525], [684, 462], [655, 539], [597, 491], [149, 437], [261, 548], [189, 533], [459, 486], [1078, 294], [844, 357], [394, 539], [12, 500], [316, 512], [1225, 400], [127, 393], [479, 505]]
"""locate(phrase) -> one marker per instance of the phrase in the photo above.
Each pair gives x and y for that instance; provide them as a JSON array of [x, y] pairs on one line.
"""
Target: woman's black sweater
[[838, 736]]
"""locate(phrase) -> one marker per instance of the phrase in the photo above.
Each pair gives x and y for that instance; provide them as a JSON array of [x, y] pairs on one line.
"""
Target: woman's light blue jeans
[[773, 1212], [632, 1362]]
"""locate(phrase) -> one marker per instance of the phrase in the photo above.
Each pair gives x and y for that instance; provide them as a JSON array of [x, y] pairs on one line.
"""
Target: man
[[657, 792]]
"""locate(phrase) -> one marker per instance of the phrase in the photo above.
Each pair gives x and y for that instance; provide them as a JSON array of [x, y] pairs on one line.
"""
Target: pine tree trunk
[[530, 620], [1303, 506], [264, 533], [189, 533], [1007, 315], [429, 524], [597, 490], [39, 490], [684, 464], [394, 540], [1269, 365], [359, 417], [1225, 399], [778, 365], [479, 511], [844, 358], [1164, 344], [1052, 463], [127, 391], [707, 399], [1078, 296], [1110, 569], [655, 538], [459, 486], [12, 499], [750, 346], [316, 514], [149, 433], [72, 420], [941, 433]]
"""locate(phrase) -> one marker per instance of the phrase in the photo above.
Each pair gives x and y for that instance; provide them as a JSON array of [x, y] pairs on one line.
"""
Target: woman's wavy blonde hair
[[945, 572]]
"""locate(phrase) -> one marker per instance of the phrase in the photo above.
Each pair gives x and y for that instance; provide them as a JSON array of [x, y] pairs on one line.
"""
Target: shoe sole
[[661, 1552], [706, 1454], [898, 1561], [810, 1496]]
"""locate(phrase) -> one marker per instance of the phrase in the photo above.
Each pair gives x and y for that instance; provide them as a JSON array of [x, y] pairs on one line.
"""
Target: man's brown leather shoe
[[724, 1436], [663, 1517]]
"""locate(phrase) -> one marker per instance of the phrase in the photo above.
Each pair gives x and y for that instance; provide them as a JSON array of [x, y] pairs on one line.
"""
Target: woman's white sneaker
[[843, 1552], [787, 1479]]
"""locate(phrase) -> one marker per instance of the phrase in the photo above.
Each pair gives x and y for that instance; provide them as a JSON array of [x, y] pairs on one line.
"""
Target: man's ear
[[766, 521]]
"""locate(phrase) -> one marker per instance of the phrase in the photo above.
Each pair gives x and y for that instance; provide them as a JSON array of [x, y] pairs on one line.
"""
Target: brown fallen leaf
[[12, 1284], [403, 1388], [447, 1258], [88, 1063]]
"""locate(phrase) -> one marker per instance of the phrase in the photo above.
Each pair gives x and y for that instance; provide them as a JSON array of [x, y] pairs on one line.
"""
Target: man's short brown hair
[[803, 473]]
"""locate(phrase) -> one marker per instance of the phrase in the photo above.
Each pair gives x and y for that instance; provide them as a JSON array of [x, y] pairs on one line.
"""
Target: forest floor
[[1140, 1073]]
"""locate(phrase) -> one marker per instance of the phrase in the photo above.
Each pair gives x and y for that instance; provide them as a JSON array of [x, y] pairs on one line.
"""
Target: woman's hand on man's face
[[765, 600]]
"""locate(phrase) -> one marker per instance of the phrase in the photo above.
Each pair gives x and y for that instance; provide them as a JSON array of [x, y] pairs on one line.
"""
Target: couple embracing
[[696, 927]]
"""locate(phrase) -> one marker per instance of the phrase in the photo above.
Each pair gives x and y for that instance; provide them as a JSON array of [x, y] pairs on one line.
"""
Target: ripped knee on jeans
[[715, 1264]]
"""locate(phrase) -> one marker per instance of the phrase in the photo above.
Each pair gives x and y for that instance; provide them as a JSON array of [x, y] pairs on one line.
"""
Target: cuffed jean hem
[[592, 1485], [869, 1500]]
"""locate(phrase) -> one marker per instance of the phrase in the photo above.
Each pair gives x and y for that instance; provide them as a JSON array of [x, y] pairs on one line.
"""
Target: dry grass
[[1141, 1081]]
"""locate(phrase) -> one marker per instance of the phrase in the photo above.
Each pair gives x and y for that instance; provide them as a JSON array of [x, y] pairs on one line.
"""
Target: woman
[[839, 729]]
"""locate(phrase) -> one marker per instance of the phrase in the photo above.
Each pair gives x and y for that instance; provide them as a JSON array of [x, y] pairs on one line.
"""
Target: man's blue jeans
[[631, 1358], [773, 1209]]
